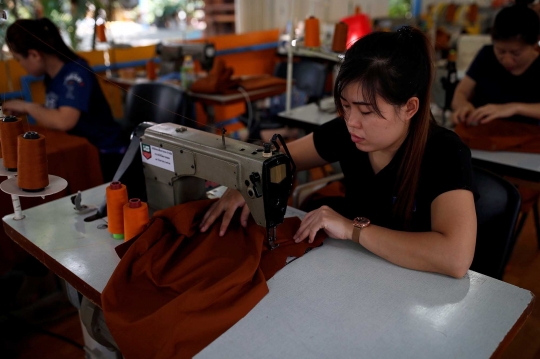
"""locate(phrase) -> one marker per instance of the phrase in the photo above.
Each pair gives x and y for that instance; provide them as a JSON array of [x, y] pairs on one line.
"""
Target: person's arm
[[305, 156], [491, 112], [461, 102], [447, 249], [63, 118]]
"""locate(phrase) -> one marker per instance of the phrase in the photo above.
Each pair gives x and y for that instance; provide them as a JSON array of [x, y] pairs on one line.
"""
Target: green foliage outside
[[399, 8]]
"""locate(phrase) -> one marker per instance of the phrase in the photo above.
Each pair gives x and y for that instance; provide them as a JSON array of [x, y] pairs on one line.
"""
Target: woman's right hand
[[226, 205], [461, 114]]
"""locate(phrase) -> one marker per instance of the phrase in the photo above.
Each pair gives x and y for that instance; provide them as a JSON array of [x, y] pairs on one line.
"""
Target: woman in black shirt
[[502, 81], [408, 181]]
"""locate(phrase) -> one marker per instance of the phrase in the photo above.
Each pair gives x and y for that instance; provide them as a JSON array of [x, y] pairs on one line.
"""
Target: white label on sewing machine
[[157, 156]]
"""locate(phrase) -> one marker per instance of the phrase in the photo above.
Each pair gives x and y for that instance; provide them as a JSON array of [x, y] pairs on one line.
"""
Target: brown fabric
[[176, 289], [501, 135], [70, 157], [218, 80]]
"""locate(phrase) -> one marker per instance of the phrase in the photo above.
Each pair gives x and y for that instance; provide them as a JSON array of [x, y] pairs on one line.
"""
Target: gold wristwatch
[[358, 224]]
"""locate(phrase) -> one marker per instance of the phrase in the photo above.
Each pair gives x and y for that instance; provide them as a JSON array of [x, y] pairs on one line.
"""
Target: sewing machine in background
[[178, 160], [172, 55]]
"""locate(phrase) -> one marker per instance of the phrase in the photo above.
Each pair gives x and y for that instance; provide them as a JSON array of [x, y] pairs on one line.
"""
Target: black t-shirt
[[446, 166], [77, 87], [496, 85]]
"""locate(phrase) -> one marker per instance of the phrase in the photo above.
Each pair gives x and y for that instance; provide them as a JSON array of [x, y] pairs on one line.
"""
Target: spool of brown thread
[[339, 43], [100, 33], [312, 34], [10, 128], [151, 69], [33, 172]]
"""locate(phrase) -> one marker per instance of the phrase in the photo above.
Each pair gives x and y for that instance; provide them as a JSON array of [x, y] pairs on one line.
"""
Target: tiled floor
[[40, 339]]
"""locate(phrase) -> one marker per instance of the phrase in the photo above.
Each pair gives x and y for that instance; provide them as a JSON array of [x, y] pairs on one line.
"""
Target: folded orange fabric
[[501, 135], [219, 80], [176, 289]]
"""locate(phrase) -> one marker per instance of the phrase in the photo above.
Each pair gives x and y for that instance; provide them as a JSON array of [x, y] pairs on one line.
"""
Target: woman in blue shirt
[[74, 100]]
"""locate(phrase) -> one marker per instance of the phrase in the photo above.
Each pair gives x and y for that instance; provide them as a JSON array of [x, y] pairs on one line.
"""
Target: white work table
[[338, 300], [311, 114]]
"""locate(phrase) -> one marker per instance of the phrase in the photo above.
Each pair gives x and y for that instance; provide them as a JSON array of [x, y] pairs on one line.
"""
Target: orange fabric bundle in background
[[177, 289], [218, 80], [501, 135]]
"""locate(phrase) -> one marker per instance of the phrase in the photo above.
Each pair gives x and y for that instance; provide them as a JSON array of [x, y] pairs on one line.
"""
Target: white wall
[[253, 15]]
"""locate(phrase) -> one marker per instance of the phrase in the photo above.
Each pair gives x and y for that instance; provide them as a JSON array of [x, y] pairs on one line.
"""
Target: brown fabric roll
[[501, 135], [177, 289]]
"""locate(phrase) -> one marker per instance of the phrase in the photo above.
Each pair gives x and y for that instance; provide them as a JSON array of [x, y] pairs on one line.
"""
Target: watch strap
[[356, 234]]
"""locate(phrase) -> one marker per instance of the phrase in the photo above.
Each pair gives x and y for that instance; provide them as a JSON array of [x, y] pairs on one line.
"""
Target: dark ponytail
[[395, 66], [41, 35]]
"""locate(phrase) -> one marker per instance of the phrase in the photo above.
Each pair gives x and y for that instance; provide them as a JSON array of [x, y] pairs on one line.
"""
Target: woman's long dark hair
[[395, 66], [41, 35]]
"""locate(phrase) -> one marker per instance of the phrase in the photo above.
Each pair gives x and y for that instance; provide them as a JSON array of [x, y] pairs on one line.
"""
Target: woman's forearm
[[425, 251]]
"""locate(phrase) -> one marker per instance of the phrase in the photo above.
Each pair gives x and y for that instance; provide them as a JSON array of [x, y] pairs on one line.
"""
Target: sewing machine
[[172, 55], [177, 160]]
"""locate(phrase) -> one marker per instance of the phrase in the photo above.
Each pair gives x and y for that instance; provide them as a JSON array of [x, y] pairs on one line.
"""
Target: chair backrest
[[497, 211], [154, 102], [309, 76]]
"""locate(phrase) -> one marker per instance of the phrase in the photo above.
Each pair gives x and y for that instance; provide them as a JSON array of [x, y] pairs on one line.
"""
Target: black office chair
[[156, 102], [497, 211], [308, 76]]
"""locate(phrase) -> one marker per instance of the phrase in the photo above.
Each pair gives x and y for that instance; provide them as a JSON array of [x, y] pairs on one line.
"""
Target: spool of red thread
[[117, 197], [312, 37], [10, 128], [135, 218], [32, 168]]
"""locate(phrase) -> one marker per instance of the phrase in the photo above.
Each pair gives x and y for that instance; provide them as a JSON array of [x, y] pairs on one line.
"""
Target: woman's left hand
[[335, 225], [487, 113], [15, 107]]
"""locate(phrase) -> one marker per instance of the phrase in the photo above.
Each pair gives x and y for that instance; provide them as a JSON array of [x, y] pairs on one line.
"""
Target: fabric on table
[[177, 289], [501, 135]]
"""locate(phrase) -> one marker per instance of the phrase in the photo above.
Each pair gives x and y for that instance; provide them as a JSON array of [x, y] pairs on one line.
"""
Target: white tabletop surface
[[527, 161], [338, 300], [311, 114]]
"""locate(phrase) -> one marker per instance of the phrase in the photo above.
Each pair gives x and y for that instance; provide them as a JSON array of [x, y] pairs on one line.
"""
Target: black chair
[[308, 76], [156, 102], [497, 211]]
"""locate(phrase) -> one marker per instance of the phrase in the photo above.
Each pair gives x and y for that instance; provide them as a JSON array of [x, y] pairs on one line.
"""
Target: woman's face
[[33, 63], [514, 55], [369, 131]]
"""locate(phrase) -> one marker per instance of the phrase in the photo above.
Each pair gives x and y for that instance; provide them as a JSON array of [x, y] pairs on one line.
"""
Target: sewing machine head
[[178, 160], [172, 55]]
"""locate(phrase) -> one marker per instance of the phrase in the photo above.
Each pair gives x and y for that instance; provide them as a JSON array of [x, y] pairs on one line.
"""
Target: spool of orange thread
[[339, 42], [151, 69], [117, 197], [32, 169], [10, 128], [135, 218], [312, 34], [100, 33]]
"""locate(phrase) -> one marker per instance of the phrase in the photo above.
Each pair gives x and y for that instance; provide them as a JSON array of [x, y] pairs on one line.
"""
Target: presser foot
[[271, 235]]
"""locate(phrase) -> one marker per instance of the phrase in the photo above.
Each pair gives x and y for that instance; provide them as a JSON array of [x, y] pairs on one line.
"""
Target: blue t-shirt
[[76, 86], [496, 85]]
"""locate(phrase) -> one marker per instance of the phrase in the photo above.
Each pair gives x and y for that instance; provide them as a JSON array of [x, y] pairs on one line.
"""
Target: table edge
[[509, 337], [86, 290]]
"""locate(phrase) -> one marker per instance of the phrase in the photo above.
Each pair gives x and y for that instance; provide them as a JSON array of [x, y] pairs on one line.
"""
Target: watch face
[[361, 222]]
